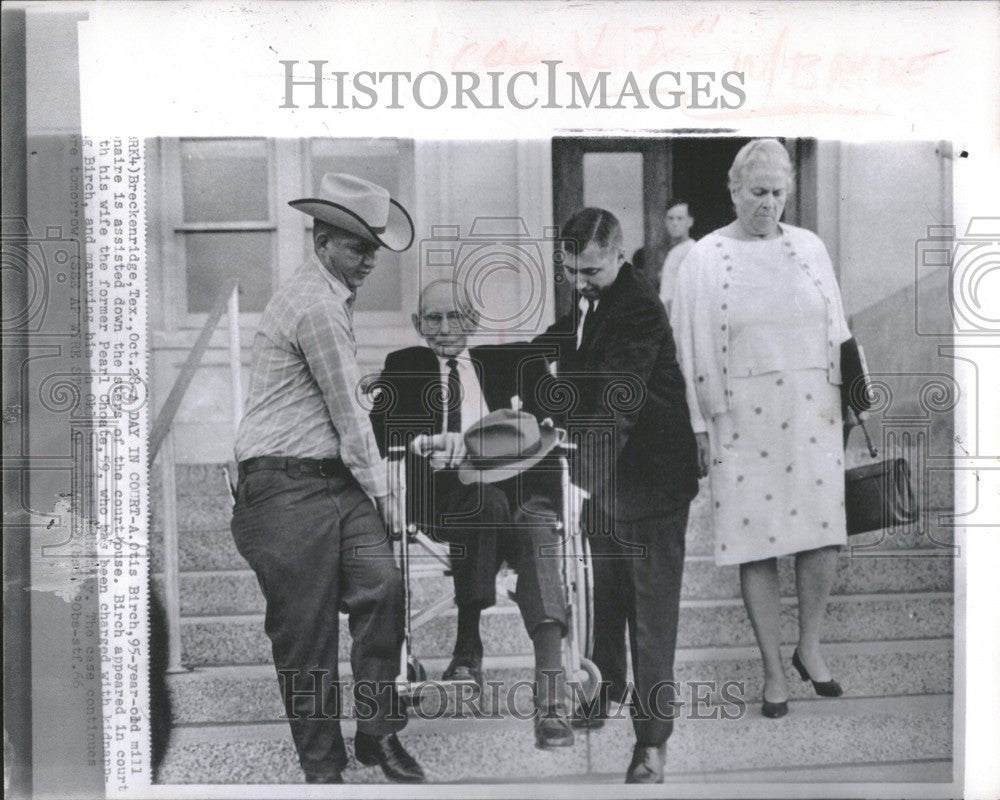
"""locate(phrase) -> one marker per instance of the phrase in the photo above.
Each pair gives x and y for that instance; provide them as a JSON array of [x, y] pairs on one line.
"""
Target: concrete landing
[[816, 734]]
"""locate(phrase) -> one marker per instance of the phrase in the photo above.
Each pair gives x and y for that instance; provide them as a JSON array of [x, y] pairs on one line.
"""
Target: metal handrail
[[162, 435], [169, 410]]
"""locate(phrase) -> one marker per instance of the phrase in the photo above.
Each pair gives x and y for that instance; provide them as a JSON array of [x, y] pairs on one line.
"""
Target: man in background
[[679, 222]]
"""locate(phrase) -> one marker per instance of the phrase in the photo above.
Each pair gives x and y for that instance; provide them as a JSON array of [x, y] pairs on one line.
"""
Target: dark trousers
[[318, 546], [487, 524], [647, 585], [610, 624]]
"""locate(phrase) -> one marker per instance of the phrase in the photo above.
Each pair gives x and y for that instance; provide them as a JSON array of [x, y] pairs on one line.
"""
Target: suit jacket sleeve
[[403, 401], [559, 338], [616, 387], [384, 391]]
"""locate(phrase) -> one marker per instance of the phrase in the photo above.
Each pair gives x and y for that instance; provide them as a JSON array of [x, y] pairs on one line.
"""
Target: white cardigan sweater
[[701, 323]]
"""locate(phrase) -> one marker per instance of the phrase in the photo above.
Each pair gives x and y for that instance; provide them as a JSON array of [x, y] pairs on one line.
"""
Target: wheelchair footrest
[[442, 697]]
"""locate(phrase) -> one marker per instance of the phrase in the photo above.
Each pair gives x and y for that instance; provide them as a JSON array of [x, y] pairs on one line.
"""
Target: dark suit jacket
[[411, 378], [410, 404], [636, 450]]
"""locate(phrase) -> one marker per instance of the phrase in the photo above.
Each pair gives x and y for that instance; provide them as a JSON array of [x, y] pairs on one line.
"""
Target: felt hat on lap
[[503, 444]]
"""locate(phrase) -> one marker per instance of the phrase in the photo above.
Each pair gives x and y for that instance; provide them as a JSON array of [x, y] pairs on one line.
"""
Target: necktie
[[454, 406], [588, 322]]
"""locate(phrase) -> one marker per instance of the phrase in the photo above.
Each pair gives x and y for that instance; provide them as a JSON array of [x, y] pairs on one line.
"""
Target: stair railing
[[161, 441]]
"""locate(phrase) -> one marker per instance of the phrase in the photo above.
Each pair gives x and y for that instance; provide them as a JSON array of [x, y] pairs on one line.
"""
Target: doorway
[[635, 177]]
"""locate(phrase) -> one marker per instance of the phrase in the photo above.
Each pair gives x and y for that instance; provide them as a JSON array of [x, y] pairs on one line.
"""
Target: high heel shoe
[[822, 688], [774, 710]]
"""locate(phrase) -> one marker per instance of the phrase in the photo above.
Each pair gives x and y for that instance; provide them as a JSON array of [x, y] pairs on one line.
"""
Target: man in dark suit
[[432, 395], [636, 461]]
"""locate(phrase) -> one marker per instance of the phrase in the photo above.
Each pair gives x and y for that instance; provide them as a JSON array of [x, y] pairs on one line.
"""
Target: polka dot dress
[[777, 472]]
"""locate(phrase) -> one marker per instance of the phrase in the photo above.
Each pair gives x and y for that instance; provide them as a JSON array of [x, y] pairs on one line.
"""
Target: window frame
[[176, 315], [289, 170], [408, 259]]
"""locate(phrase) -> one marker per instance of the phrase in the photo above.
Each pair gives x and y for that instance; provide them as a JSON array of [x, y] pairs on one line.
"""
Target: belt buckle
[[325, 470]]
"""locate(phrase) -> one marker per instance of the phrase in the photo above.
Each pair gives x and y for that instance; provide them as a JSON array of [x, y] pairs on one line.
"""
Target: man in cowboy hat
[[312, 504], [451, 400]]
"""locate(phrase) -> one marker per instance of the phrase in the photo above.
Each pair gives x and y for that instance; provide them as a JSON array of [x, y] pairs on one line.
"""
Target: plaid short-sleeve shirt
[[304, 398]]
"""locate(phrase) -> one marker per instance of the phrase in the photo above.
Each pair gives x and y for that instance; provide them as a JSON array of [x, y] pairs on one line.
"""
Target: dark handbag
[[855, 392], [878, 495]]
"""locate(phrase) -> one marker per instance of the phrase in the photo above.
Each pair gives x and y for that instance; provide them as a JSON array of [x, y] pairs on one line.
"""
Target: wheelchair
[[576, 571]]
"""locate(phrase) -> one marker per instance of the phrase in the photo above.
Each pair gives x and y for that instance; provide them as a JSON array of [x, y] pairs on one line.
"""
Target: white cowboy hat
[[359, 207]]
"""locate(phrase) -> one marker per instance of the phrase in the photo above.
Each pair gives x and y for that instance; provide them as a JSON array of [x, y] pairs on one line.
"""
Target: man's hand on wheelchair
[[390, 508], [442, 449]]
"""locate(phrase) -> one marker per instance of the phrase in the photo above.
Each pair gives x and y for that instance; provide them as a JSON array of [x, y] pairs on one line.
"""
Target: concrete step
[[207, 548], [209, 481], [237, 592], [792, 779], [204, 504], [207, 504], [198, 550], [816, 733], [240, 639], [868, 669], [195, 479], [195, 512]]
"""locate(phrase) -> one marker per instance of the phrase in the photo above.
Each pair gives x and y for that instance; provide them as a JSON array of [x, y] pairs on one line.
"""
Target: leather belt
[[319, 467]]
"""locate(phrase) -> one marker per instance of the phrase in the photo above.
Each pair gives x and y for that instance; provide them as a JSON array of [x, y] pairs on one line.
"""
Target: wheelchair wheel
[[584, 599], [589, 676], [415, 672]]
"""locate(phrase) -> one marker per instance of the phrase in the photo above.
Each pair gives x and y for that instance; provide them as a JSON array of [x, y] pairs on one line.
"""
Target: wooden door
[[635, 177]]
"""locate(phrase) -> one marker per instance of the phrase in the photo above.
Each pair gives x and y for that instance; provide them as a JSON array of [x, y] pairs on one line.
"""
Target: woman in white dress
[[758, 319]]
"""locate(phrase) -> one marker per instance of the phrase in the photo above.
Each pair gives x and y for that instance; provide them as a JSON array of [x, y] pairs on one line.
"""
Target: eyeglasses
[[435, 321]]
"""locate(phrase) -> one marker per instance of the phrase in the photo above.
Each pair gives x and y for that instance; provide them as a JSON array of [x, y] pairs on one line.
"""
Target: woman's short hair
[[592, 226], [757, 153]]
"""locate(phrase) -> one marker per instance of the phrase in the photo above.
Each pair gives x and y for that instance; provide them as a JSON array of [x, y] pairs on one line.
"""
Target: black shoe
[[552, 730], [388, 752], [330, 777], [822, 688], [466, 665], [774, 710], [647, 764]]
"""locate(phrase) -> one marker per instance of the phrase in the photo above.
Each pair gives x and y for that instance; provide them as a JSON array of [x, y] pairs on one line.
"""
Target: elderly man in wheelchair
[[484, 478]]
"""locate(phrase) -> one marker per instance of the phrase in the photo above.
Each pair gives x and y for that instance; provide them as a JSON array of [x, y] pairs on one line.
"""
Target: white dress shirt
[[585, 308], [474, 405]]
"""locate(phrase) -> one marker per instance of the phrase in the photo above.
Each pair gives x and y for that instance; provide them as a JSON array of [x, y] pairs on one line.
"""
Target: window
[[382, 161], [225, 217], [227, 226]]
